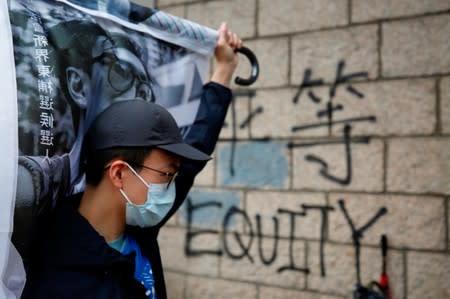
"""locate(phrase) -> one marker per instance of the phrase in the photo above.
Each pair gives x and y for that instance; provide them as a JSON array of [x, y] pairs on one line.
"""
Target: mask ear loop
[[136, 174], [125, 196]]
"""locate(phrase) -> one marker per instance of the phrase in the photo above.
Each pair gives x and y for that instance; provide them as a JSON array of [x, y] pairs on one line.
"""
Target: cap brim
[[185, 151]]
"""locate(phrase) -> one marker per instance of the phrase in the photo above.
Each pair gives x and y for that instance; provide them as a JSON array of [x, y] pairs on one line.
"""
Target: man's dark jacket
[[71, 260]]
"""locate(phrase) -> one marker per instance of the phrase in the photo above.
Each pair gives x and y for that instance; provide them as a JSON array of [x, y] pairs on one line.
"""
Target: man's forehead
[[164, 155]]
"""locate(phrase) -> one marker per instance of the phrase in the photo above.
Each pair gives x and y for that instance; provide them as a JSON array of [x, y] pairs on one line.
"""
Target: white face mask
[[159, 201]]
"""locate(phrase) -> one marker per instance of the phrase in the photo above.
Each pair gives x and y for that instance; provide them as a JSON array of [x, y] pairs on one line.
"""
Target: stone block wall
[[352, 109]]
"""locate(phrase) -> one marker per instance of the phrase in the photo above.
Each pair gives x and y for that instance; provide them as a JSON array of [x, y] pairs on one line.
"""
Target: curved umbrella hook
[[255, 67]]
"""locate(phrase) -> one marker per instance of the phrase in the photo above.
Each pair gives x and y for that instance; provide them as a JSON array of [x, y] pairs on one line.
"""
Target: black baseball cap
[[137, 123]]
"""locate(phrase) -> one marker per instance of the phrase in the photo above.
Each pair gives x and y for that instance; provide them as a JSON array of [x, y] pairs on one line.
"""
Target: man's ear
[[115, 173], [78, 86]]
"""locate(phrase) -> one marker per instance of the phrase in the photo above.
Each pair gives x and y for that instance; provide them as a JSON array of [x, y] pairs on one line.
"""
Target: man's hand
[[225, 55]]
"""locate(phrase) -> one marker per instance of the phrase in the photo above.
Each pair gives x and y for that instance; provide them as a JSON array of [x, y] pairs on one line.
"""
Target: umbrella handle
[[255, 67]]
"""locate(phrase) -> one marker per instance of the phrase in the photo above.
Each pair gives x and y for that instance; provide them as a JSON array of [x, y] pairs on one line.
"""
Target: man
[[103, 243]]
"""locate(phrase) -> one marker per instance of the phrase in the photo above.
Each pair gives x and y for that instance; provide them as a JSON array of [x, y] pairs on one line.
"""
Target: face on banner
[[96, 68], [120, 74]]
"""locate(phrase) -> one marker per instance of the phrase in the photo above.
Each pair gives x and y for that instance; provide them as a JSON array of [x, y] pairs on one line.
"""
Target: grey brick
[[171, 243], [266, 204], [284, 16], [368, 10], [419, 165], [341, 271], [322, 51], [173, 221], [278, 293], [272, 55], [177, 11], [428, 276], [206, 176], [367, 166], [253, 164], [239, 14], [412, 221], [257, 271], [401, 107], [445, 105], [339, 268], [162, 3], [280, 114], [416, 47], [175, 284], [209, 207], [371, 268], [200, 287], [147, 3], [232, 126], [448, 224]]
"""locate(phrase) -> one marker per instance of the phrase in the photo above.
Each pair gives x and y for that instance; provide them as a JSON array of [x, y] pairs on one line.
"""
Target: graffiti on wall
[[328, 112], [326, 115], [253, 230], [242, 125]]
